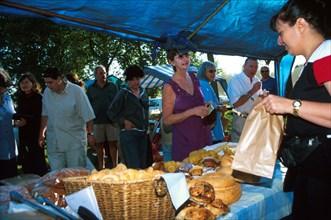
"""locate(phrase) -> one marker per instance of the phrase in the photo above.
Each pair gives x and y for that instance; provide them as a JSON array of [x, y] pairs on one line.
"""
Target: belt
[[243, 115], [321, 137]]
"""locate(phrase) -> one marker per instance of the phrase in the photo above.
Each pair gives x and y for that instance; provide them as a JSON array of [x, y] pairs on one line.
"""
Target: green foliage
[[35, 44]]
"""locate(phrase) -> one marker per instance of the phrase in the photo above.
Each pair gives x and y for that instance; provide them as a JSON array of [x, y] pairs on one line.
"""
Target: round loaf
[[225, 186]]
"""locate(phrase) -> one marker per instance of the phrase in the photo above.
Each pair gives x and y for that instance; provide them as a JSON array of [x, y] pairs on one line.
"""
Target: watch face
[[296, 103]]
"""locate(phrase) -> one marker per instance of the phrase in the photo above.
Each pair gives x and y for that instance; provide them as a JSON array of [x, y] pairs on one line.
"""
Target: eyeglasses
[[264, 71], [185, 55]]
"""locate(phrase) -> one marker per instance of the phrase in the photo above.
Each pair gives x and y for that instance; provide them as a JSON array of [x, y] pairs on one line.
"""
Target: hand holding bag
[[256, 152]]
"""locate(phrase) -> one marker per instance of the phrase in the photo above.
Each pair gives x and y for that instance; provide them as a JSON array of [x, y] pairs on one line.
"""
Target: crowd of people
[[114, 121]]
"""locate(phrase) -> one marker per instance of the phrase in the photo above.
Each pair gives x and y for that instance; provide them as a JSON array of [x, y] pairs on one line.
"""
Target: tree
[[35, 44]]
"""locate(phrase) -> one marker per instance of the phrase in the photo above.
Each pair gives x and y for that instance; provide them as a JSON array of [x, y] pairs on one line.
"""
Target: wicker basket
[[126, 200]]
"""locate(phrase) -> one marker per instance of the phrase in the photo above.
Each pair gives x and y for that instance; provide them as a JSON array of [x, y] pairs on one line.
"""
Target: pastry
[[201, 191]]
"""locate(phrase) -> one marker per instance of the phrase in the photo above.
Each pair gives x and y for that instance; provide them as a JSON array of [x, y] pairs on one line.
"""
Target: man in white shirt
[[243, 88], [68, 116]]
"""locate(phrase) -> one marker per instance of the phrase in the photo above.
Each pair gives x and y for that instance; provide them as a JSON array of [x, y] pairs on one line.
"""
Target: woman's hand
[[201, 111], [20, 123], [276, 104]]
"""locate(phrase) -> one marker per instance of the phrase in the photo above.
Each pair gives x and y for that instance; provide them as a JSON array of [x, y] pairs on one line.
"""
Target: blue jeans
[[134, 148]]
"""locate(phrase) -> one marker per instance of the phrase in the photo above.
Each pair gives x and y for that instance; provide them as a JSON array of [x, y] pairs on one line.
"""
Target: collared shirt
[[68, 112], [101, 99], [7, 140], [240, 84]]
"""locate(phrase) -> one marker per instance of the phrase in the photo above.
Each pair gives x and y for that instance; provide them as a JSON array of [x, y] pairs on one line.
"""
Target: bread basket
[[135, 199]]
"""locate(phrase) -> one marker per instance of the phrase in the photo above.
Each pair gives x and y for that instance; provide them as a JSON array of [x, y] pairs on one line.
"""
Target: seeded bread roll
[[201, 191], [225, 186]]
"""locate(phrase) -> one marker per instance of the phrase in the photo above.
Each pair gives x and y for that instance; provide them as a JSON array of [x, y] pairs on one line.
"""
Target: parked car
[[155, 106]]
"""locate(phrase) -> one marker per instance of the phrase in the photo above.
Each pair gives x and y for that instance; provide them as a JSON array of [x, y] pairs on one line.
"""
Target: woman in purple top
[[184, 107]]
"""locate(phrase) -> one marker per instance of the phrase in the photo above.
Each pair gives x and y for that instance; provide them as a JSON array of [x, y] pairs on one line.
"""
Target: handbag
[[211, 118], [294, 150]]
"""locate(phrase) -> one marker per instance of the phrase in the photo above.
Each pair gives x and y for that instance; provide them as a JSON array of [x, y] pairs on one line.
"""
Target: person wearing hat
[[68, 117], [7, 141], [130, 110], [184, 107]]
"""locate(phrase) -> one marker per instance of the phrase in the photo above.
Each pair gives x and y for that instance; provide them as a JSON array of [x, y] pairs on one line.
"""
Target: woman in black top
[[29, 107]]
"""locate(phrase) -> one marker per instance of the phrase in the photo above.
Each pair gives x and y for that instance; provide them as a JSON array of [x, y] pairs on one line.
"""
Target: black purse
[[294, 150]]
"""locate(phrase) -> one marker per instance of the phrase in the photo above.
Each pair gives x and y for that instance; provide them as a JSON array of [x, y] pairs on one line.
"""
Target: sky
[[233, 64]]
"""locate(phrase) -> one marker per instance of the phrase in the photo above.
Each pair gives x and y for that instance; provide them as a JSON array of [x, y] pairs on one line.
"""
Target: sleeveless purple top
[[190, 134]]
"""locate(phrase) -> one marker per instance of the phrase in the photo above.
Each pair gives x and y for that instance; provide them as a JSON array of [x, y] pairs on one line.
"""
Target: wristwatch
[[91, 133], [296, 105]]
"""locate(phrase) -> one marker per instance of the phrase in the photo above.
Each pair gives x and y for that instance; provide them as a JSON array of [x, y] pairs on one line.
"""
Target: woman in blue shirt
[[206, 75], [7, 141]]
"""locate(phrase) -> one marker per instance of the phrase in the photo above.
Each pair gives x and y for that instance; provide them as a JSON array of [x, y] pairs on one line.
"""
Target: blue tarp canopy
[[228, 27]]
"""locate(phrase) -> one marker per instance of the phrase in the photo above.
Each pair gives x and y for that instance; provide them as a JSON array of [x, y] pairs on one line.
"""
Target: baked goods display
[[122, 173], [212, 184]]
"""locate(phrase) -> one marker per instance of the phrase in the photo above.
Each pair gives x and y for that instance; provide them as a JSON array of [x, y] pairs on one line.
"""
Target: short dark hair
[[51, 72], [250, 58], [132, 72], [5, 80]]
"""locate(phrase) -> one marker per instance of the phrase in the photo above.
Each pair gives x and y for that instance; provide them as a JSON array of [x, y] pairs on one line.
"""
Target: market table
[[263, 200]]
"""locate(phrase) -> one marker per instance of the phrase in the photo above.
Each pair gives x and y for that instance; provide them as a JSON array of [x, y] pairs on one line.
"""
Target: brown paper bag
[[256, 152]]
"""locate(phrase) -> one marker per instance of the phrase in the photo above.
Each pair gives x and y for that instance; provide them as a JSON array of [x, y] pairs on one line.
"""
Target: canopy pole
[[207, 19], [77, 20]]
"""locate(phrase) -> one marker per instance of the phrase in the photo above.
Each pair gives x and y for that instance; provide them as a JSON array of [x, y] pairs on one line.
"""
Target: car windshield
[[153, 103]]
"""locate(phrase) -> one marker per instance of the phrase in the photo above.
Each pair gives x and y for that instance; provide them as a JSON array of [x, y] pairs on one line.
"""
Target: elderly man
[[68, 116], [101, 94], [243, 89]]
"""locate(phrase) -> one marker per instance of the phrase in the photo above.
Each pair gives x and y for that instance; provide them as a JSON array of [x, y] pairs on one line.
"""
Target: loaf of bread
[[225, 186]]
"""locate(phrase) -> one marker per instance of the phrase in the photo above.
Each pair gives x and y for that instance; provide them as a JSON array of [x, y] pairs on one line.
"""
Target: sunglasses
[[186, 55], [212, 71], [264, 71]]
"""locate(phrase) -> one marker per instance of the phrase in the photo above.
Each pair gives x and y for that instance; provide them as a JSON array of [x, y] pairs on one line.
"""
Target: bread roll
[[201, 191], [119, 168], [226, 160], [110, 178], [217, 207], [196, 171], [195, 213], [224, 170], [225, 186]]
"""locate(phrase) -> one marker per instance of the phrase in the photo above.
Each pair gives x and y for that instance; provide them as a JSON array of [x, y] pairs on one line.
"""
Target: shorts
[[106, 132]]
